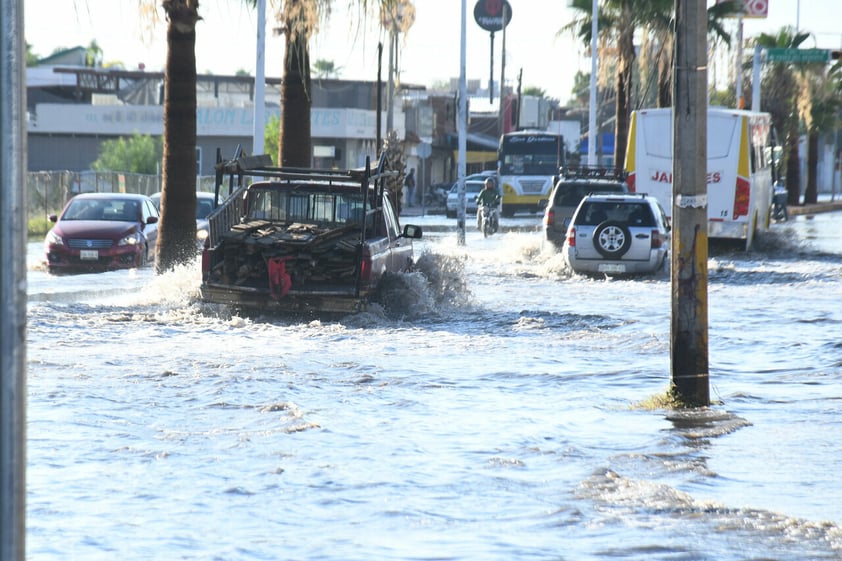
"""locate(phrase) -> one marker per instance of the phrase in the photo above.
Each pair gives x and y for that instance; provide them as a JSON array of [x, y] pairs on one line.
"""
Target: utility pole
[[689, 328], [12, 283], [461, 129], [593, 134], [259, 82]]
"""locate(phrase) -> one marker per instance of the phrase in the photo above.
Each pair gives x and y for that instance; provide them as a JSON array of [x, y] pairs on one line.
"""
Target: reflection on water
[[488, 407]]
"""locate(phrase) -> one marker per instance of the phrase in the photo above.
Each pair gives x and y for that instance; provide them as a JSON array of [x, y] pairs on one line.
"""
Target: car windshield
[[123, 210], [470, 187], [203, 208]]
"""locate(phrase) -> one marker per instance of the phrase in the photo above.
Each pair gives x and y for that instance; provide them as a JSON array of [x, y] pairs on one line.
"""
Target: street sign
[[797, 55]]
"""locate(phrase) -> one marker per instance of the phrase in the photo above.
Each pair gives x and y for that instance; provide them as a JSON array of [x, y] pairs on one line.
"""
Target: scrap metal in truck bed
[[302, 240]]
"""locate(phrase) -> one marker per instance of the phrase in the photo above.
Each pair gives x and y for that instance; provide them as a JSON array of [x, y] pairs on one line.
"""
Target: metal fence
[[48, 191]]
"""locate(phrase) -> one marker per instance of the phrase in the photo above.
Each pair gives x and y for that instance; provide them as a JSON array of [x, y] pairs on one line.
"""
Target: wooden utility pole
[[689, 329]]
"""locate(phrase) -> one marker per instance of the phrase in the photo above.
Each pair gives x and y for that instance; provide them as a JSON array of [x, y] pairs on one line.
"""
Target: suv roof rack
[[592, 172]]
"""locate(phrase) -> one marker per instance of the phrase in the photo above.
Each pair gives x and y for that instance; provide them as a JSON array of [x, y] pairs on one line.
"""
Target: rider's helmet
[[489, 183]]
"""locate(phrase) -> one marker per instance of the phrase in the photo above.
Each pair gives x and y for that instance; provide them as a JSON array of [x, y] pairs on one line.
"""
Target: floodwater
[[495, 409]]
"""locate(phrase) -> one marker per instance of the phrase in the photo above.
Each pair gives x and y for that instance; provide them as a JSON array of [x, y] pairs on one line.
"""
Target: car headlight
[[201, 234], [53, 239], [132, 239]]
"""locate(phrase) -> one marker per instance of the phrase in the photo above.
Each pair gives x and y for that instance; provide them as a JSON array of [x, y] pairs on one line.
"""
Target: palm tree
[[618, 21], [821, 90], [300, 20], [177, 231], [325, 69], [780, 92]]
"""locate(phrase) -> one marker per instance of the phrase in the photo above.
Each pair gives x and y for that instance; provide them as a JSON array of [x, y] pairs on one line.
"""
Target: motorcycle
[[779, 210], [488, 220]]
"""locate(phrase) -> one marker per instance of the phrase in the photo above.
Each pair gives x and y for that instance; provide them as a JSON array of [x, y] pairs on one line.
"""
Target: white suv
[[617, 234]]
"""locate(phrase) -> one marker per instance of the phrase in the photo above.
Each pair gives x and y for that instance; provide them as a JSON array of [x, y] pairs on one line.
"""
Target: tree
[[617, 22], [31, 57], [299, 22], [136, 154], [325, 69], [177, 231], [820, 89], [779, 99], [93, 55]]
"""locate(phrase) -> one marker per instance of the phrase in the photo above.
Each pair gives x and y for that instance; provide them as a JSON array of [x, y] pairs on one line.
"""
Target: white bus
[[739, 170], [528, 164]]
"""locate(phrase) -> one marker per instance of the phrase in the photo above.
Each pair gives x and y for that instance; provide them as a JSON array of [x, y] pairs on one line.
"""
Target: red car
[[102, 232]]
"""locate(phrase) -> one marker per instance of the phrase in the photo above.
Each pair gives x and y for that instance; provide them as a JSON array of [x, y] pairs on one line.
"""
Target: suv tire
[[612, 239]]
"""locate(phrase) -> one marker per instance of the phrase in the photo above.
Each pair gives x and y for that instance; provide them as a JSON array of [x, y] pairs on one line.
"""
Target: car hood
[[94, 228]]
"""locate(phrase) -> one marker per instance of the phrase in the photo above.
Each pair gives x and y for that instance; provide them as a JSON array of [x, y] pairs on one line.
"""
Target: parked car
[[617, 234], [574, 184], [473, 185], [204, 206], [102, 231]]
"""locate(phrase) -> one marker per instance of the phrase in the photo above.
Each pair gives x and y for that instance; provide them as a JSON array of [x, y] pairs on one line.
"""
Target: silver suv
[[617, 234], [574, 184]]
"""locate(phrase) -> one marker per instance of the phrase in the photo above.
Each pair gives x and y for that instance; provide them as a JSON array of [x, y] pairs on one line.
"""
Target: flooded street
[[494, 409]]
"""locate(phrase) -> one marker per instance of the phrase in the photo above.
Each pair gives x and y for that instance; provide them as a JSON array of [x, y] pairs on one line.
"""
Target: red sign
[[489, 14]]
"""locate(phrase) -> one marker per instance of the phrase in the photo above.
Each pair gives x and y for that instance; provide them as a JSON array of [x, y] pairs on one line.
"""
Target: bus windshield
[[531, 154]]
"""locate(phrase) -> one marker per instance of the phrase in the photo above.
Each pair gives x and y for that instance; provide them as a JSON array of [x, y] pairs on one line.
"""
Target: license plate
[[612, 268], [88, 254]]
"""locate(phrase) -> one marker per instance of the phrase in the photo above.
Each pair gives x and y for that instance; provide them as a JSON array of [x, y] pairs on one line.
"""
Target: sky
[[429, 52]]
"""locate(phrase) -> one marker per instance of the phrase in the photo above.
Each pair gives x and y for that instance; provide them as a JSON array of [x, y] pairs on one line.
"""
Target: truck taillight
[[206, 262], [549, 217], [630, 181], [571, 236], [741, 198], [365, 268]]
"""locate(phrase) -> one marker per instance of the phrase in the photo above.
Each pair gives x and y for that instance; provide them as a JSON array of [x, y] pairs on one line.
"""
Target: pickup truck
[[302, 240]]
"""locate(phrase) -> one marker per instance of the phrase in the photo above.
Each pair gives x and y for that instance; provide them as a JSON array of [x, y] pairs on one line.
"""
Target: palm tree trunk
[[793, 168], [624, 86], [811, 192], [177, 228], [295, 142]]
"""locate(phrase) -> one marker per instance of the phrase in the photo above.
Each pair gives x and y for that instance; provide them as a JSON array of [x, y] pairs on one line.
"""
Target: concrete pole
[[12, 283], [260, 81], [593, 134], [755, 79], [501, 127], [390, 87], [689, 328], [462, 116], [739, 65]]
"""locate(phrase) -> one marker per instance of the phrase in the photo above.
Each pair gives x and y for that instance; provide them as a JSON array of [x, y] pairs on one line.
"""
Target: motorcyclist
[[491, 198]]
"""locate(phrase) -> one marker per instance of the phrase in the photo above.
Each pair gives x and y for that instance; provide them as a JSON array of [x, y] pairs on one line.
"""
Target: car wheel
[[612, 240]]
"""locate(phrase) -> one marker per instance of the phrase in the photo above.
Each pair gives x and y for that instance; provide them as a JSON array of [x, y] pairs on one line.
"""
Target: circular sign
[[489, 14], [424, 150]]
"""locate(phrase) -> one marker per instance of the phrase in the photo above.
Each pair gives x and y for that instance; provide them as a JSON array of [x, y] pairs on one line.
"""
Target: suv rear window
[[633, 214]]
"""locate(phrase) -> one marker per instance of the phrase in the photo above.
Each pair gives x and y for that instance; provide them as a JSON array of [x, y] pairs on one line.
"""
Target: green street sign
[[797, 55]]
